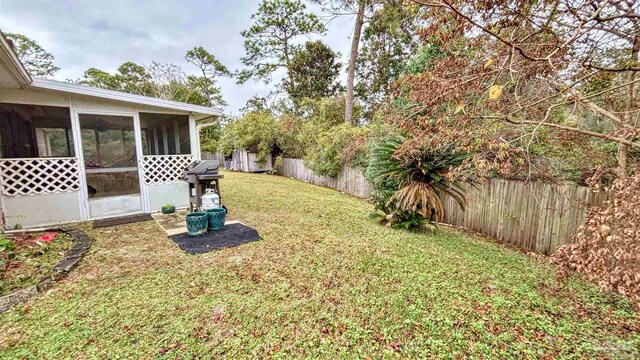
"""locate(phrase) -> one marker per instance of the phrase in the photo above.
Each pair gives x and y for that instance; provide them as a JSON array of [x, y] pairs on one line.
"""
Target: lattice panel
[[164, 169], [39, 176]]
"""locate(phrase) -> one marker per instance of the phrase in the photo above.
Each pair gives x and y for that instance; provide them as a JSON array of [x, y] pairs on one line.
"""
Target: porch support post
[[156, 145], [83, 196], [144, 191], [165, 139], [176, 136]]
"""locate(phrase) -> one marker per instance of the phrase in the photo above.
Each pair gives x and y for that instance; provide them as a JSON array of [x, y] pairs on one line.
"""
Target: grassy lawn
[[325, 282]]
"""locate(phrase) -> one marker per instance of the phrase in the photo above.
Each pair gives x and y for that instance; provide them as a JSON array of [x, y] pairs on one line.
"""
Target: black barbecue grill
[[201, 175]]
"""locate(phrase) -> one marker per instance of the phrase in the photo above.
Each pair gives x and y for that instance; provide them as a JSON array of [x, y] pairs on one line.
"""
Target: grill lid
[[202, 167]]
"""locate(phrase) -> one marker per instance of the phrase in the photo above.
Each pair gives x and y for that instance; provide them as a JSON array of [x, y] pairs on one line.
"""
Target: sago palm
[[411, 184]]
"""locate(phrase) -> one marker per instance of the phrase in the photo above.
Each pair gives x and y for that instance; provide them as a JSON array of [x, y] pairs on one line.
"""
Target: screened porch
[[60, 164]]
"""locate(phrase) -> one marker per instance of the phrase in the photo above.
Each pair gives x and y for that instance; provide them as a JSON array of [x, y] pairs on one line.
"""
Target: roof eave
[[46, 84], [12, 63]]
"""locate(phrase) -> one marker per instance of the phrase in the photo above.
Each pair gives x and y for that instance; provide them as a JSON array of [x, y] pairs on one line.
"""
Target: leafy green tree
[[328, 142], [171, 82], [130, 77], [165, 81], [289, 141], [335, 147], [255, 132], [35, 59], [389, 40], [315, 69], [204, 92], [325, 112], [209, 137], [424, 58], [133, 78], [207, 63], [270, 42], [100, 79], [211, 70], [255, 104], [361, 10]]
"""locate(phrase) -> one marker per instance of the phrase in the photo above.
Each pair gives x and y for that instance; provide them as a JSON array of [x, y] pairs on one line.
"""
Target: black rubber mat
[[121, 220], [231, 235]]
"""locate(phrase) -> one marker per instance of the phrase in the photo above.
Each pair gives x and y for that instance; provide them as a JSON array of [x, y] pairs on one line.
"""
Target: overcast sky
[[104, 34]]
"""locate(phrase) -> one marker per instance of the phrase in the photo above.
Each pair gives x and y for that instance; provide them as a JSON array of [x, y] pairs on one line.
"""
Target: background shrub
[[335, 147], [256, 132]]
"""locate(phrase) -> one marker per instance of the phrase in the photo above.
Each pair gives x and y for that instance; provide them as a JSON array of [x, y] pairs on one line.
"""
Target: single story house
[[74, 153]]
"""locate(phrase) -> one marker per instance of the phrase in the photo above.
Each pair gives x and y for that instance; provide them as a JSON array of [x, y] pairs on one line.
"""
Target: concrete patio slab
[[174, 224]]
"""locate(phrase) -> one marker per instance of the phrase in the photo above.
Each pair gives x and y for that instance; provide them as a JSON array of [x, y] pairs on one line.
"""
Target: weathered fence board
[[212, 156], [350, 180], [535, 216]]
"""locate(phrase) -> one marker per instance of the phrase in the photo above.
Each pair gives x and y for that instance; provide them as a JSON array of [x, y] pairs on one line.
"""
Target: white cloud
[[104, 34]]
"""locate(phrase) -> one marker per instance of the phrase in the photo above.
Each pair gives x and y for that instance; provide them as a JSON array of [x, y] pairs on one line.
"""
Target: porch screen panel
[[166, 134], [109, 149], [35, 131]]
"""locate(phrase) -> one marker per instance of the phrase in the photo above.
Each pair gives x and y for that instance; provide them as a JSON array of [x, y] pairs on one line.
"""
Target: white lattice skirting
[[39, 176], [164, 169]]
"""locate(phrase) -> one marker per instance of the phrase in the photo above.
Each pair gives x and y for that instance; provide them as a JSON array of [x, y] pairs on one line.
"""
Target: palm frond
[[406, 220], [382, 164], [408, 184], [421, 198], [455, 191]]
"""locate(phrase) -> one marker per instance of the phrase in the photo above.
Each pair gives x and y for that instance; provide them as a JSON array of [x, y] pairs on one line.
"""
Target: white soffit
[[46, 84]]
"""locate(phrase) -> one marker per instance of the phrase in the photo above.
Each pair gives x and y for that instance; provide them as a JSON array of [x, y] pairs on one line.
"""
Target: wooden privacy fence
[[350, 180], [212, 156], [241, 161], [534, 216]]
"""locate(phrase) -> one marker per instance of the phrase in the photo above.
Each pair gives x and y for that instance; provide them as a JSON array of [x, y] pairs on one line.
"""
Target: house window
[[35, 131], [165, 134]]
